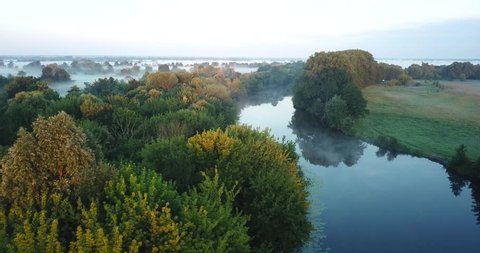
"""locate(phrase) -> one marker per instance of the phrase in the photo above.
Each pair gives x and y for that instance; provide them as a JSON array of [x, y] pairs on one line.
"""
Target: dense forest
[[149, 165]]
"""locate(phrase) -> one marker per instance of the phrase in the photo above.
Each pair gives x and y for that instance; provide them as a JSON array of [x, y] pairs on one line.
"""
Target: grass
[[430, 121]]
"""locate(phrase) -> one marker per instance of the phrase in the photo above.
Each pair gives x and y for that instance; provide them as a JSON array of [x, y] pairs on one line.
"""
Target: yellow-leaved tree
[[51, 158]]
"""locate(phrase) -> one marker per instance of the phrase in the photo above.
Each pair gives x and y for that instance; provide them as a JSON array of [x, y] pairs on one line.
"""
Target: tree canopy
[[329, 87], [148, 165]]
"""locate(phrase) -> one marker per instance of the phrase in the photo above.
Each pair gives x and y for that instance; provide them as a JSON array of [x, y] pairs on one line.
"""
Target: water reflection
[[458, 183], [475, 188], [376, 206], [323, 146], [265, 97], [391, 155]]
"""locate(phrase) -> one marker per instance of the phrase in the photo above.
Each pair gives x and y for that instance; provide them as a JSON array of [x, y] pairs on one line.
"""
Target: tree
[[327, 75], [161, 80], [105, 87], [54, 73], [23, 109], [460, 160], [404, 78], [51, 158], [28, 83], [271, 187], [390, 71], [316, 88], [171, 158], [356, 104], [92, 107], [33, 66], [163, 67], [336, 114], [212, 224], [21, 73]]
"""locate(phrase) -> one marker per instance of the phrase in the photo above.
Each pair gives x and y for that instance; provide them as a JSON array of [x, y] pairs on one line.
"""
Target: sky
[[241, 28]]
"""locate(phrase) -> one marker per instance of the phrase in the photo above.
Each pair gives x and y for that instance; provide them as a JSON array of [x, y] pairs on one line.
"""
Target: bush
[[171, 158]]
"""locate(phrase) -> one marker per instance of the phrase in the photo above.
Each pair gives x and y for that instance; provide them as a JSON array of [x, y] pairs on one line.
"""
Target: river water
[[368, 200]]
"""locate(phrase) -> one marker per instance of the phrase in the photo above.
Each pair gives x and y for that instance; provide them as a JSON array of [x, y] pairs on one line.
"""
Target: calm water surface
[[368, 200]]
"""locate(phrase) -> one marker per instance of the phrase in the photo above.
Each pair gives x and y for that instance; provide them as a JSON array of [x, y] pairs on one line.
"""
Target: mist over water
[[365, 202], [79, 78], [240, 65]]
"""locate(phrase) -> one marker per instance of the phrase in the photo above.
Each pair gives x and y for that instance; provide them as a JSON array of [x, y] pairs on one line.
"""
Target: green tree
[[327, 75], [171, 158], [336, 114], [104, 87], [272, 190], [211, 222], [356, 104], [28, 83], [460, 160]]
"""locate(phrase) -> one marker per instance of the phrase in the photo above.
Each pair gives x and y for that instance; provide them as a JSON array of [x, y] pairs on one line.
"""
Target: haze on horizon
[[248, 28]]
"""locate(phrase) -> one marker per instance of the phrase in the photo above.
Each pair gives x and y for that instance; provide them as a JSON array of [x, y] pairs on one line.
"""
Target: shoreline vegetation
[[423, 110]]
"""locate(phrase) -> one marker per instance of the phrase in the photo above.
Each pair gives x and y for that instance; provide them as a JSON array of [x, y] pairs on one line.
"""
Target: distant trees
[[390, 71], [21, 73], [55, 73], [134, 70], [394, 74], [104, 87], [423, 72], [163, 68], [327, 89], [88, 67], [460, 70], [454, 71], [272, 82], [33, 66]]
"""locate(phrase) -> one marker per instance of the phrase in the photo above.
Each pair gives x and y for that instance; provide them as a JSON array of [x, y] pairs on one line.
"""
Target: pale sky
[[246, 28]]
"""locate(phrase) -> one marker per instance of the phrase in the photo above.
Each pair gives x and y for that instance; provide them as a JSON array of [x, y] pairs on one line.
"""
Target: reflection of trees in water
[[322, 146], [475, 187], [458, 182], [264, 97], [385, 152]]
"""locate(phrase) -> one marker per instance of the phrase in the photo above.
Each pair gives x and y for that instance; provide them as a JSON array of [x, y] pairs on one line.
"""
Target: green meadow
[[430, 120]]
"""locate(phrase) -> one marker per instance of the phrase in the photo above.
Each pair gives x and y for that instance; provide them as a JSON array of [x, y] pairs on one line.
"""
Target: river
[[368, 200]]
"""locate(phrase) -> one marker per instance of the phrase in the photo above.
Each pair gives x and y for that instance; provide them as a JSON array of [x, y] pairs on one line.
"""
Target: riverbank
[[428, 120]]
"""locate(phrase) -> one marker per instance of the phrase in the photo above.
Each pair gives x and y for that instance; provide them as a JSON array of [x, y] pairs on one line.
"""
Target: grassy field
[[430, 120]]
